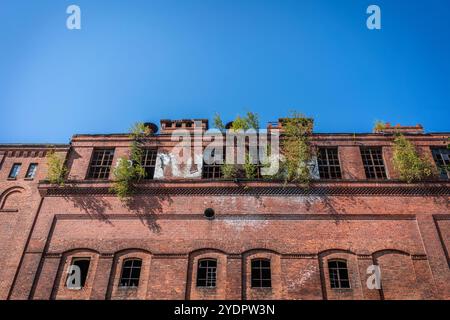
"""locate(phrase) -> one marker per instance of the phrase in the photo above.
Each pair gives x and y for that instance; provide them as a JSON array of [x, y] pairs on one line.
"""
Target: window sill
[[128, 289], [11, 179], [28, 179], [342, 290]]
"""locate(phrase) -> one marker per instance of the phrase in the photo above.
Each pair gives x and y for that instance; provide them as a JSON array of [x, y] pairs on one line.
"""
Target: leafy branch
[[57, 169], [129, 170]]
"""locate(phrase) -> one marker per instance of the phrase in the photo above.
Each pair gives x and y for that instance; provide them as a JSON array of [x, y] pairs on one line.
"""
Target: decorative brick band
[[365, 191]]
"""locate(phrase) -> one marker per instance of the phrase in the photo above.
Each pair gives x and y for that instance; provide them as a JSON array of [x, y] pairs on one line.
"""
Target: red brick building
[[187, 234]]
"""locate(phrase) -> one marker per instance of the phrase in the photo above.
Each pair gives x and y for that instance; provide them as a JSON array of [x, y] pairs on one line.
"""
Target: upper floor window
[[213, 170], [14, 171], [31, 172], [131, 272], [101, 164], [261, 275], [207, 273], [442, 158], [82, 266], [373, 162], [328, 162], [149, 162], [338, 274]]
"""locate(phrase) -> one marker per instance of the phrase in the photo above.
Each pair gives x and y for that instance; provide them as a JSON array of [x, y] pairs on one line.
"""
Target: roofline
[[34, 145]]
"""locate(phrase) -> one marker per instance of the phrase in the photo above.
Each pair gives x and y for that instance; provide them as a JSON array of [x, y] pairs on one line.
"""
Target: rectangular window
[[328, 162], [214, 170], [372, 158], [14, 171], [441, 157], [101, 164], [338, 274], [261, 275], [149, 162], [31, 172], [207, 273]]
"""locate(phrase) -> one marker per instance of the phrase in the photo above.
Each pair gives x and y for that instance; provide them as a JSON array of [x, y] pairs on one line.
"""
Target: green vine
[[57, 169], [296, 148], [408, 163], [129, 170]]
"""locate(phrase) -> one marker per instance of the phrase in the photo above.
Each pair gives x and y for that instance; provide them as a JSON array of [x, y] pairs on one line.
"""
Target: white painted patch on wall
[[304, 276], [239, 224], [168, 163]]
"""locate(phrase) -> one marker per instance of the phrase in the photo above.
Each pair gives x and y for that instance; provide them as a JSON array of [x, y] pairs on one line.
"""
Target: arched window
[[338, 274], [131, 271], [207, 273], [261, 275]]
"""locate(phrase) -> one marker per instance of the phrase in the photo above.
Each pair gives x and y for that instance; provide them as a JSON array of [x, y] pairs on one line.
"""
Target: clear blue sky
[[147, 60]]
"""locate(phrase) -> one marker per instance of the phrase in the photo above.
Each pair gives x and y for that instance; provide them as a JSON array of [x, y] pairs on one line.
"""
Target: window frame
[[107, 168], [372, 170], [326, 164], [444, 173], [338, 281], [149, 164], [27, 174], [210, 277], [130, 279], [16, 164], [263, 281]]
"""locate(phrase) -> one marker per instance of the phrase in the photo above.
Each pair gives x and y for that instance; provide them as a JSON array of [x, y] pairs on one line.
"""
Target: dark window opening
[[31, 172], [328, 162], [338, 274], [213, 170], [207, 273], [372, 158], [149, 162], [14, 171], [441, 157], [131, 272], [83, 265], [101, 164], [261, 275]]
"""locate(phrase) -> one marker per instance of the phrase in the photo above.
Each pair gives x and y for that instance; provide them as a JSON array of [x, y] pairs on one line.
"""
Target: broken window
[[372, 158], [101, 164], [131, 272], [441, 157], [83, 265], [149, 162], [328, 162], [207, 273]]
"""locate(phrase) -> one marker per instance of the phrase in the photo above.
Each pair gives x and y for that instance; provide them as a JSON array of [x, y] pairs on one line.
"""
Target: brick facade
[[403, 228]]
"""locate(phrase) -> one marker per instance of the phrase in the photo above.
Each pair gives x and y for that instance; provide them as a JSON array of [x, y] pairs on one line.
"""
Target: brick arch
[[351, 260], [219, 292], [113, 291], [260, 250], [381, 252], [60, 291], [5, 199]]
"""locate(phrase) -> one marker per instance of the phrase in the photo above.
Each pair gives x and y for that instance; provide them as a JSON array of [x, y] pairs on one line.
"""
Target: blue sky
[[148, 60]]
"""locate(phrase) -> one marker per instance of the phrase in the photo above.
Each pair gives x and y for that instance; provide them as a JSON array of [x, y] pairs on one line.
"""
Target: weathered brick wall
[[407, 235]]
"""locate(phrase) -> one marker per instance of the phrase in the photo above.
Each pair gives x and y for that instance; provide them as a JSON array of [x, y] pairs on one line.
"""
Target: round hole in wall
[[209, 213]]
